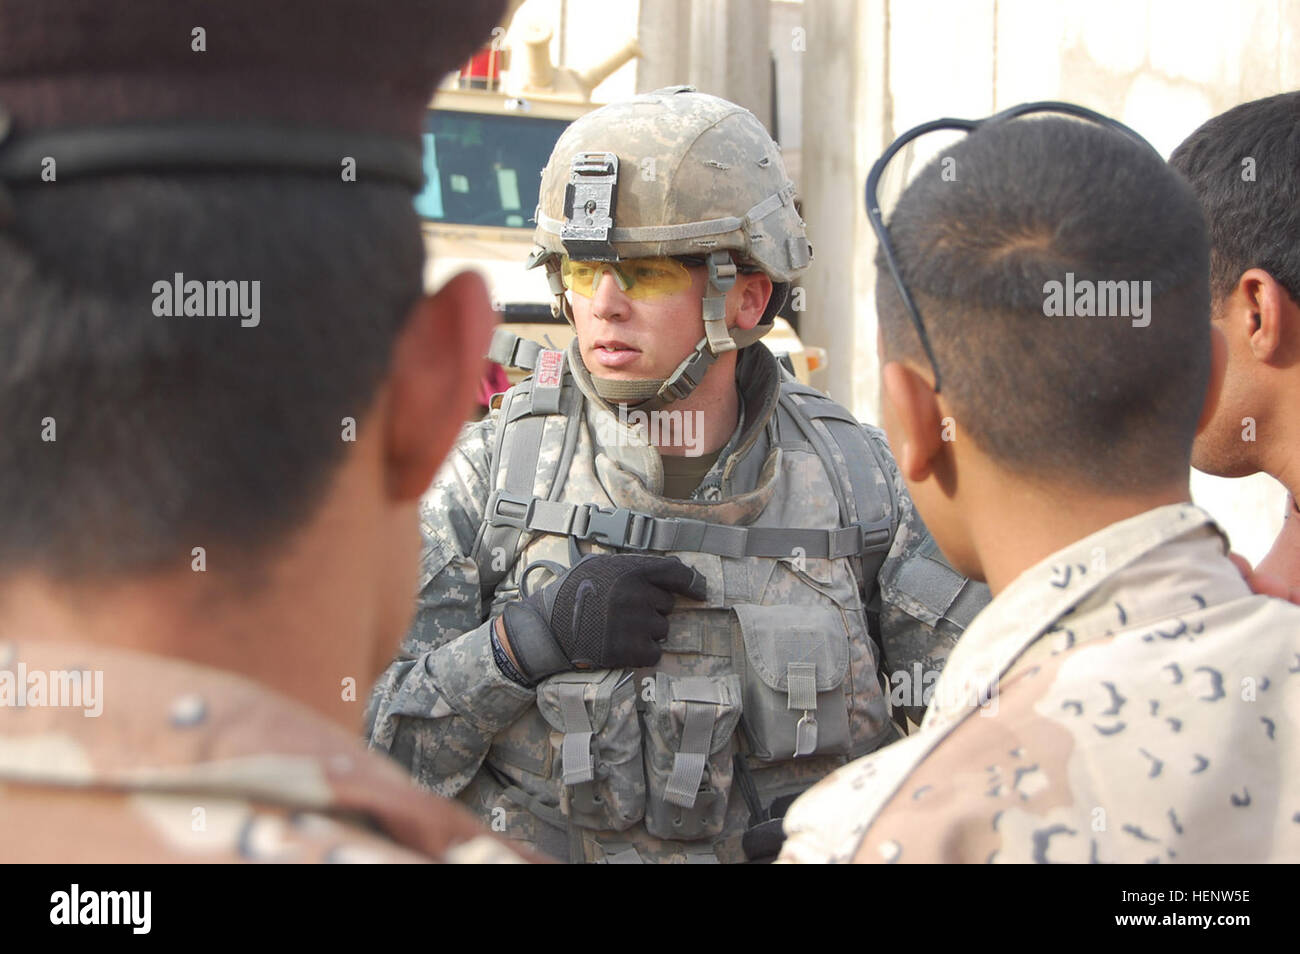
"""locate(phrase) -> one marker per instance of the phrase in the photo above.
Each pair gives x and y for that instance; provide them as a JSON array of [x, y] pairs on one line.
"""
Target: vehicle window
[[482, 169]]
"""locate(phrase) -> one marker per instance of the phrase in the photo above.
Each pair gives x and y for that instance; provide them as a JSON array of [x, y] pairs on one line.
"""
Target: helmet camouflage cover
[[672, 173]]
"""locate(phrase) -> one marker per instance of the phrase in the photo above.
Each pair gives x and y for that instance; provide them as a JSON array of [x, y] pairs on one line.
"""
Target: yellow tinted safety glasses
[[638, 278]]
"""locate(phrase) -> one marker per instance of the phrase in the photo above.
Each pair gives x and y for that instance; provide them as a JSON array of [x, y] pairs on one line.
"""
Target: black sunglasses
[[968, 126]]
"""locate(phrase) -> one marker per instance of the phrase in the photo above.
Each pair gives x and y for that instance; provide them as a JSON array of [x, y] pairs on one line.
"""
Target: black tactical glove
[[607, 611]]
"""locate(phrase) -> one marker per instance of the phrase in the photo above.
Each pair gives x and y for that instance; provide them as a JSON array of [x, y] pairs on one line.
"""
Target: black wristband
[[508, 669], [537, 654]]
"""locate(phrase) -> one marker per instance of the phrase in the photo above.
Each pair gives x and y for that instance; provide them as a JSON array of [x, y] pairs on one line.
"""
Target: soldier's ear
[[916, 420], [755, 289], [435, 370], [1218, 368]]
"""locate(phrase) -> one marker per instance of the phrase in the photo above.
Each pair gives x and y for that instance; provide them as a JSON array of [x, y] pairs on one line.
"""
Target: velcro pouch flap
[[782, 639], [796, 660]]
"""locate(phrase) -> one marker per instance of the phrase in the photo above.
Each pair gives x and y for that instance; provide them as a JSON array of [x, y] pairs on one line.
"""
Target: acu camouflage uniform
[[675, 763], [1141, 706], [191, 764]]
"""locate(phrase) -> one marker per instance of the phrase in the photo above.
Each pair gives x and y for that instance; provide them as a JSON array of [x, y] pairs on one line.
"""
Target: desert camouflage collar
[[1054, 598], [1078, 593]]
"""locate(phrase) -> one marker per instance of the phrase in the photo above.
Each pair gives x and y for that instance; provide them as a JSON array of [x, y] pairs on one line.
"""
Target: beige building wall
[[583, 34], [717, 46], [874, 68]]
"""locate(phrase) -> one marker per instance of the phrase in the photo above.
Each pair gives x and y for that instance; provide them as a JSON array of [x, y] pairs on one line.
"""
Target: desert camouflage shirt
[[1148, 710], [114, 756]]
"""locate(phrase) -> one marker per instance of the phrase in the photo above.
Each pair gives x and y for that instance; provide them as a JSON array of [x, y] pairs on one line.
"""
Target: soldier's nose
[[607, 299]]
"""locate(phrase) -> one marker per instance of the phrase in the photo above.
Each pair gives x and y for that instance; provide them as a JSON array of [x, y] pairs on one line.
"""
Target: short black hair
[[1244, 166], [1091, 401], [177, 432]]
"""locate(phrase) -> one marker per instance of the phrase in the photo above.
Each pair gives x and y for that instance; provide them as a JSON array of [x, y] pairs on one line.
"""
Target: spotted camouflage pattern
[[189, 764], [445, 711], [1147, 711]]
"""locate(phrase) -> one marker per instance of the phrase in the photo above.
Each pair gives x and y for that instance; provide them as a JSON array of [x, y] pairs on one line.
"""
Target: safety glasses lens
[[638, 278]]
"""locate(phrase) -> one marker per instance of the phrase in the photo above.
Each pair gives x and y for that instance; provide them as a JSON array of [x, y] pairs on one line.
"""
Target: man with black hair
[[1124, 697], [222, 393], [1244, 166]]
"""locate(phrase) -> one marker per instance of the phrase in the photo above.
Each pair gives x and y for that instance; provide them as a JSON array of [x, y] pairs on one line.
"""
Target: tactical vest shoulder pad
[[863, 489], [544, 406]]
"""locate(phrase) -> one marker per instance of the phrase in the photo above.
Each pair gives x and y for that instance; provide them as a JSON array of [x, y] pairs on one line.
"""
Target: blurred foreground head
[[143, 415], [1062, 276]]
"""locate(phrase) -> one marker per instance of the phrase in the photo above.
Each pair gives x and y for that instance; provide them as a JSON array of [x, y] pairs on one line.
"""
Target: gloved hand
[[607, 611]]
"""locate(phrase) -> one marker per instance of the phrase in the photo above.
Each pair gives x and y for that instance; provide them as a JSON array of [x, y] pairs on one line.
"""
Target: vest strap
[[702, 700], [523, 418], [511, 351], [576, 747], [625, 529]]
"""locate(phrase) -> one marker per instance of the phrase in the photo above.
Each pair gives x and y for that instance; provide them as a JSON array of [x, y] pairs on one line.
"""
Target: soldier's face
[[630, 339]]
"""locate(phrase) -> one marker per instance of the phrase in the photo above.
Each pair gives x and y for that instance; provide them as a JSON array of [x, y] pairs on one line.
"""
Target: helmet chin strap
[[632, 393], [653, 394]]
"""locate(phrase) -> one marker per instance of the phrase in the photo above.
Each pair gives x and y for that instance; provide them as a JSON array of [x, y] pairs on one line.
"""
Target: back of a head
[[1244, 166], [1041, 210], [129, 435]]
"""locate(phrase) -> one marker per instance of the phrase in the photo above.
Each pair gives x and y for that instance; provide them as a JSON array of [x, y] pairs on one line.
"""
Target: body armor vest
[[764, 688]]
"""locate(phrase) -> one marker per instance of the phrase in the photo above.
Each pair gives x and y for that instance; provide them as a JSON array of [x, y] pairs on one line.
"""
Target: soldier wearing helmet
[[713, 195], [663, 579]]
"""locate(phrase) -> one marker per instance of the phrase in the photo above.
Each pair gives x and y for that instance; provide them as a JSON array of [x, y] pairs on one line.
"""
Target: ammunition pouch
[[599, 740], [690, 725], [796, 659]]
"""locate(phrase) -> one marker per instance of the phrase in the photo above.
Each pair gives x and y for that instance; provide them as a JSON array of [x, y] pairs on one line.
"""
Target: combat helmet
[[672, 173]]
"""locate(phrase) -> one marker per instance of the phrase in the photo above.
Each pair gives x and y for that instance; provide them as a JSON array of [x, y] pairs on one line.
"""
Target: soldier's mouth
[[614, 354]]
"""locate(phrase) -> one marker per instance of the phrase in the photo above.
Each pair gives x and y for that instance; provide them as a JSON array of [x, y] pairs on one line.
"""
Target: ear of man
[[919, 418], [1264, 312], [436, 364]]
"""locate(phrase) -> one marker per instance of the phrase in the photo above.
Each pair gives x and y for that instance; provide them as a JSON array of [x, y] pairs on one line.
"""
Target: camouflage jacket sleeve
[[923, 603], [438, 706]]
